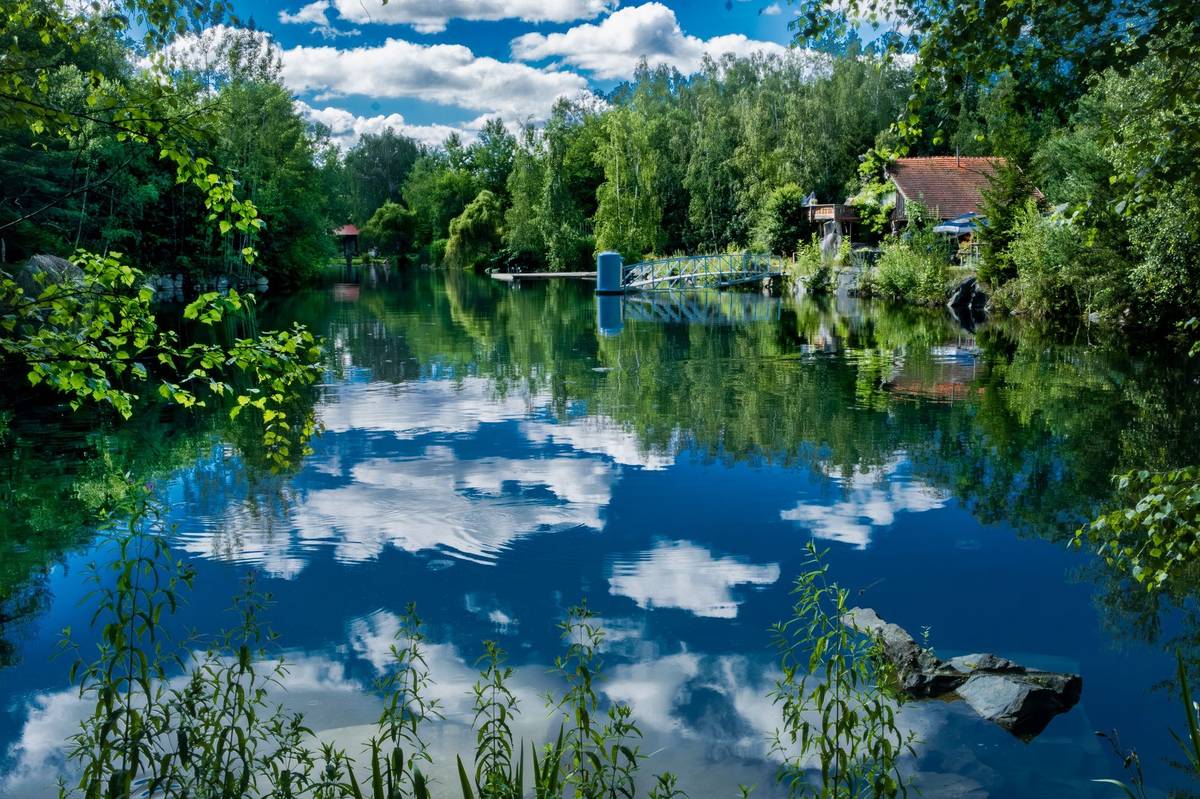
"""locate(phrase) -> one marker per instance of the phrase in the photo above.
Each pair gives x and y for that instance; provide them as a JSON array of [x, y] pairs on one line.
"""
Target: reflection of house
[[948, 375]]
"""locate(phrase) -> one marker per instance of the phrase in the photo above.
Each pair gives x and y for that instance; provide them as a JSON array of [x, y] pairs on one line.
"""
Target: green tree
[[524, 238], [1004, 198], [274, 154], [375, 170], [437, 191], [475, 233], [784, 225], [391, 228], [491, 157], [629, 217]]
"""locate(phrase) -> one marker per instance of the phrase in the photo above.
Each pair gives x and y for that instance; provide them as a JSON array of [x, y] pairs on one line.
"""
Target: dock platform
[[509, 277]]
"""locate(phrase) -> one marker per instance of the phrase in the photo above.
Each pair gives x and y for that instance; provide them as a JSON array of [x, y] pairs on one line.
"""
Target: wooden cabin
[[949, 186]]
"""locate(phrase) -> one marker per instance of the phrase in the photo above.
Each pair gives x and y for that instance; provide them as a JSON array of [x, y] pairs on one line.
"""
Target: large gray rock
[[1021, 700], [41, 271], [916, 668], [968, 295]]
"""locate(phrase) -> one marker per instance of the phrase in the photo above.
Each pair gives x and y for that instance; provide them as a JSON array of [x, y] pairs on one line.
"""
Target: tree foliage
[[784, 226], [475, 233], [90, 334]]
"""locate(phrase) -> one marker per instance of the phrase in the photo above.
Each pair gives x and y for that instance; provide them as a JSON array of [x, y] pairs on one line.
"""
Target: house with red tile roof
[[950, 186]]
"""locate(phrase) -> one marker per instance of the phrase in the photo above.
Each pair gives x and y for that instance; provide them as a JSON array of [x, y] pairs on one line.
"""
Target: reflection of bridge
[[705, 307], [701, 271]]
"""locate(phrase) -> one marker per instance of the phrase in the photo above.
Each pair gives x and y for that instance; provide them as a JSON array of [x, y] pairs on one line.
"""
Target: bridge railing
[[702, 270]]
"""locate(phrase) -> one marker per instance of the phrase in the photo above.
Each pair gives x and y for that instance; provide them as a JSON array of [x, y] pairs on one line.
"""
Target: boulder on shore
[[1021, 700], [968, 295], [44, 270]]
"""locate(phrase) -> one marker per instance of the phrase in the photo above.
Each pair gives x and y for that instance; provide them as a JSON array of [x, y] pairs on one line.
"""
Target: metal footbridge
[[701, 271]]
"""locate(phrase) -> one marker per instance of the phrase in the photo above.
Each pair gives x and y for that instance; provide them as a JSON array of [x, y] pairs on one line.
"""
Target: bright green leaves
[[875, 202], [211, 307], [629, 216], [1153, 532], [95, 339]]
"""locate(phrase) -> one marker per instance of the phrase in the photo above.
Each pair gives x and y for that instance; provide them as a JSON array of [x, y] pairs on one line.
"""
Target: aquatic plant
[[836, 697]]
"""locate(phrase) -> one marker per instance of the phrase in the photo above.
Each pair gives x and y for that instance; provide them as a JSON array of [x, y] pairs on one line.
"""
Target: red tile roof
[[346, 230], [948, 185]]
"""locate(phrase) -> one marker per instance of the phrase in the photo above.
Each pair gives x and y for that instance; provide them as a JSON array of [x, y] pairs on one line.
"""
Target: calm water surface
[[498, 453]]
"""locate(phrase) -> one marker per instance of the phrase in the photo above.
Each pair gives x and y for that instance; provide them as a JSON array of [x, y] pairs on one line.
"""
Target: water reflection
[[680, 574], [865, 503], [497, 455]]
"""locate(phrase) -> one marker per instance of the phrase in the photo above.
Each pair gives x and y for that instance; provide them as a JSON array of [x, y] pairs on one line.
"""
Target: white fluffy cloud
[[431, 16], [317, 15], [446, 74], [210, 49], [346, 128], [613, 48], [680, 574]]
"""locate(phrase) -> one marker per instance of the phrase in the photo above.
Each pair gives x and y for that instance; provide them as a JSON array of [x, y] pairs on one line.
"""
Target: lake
[[497, 453]]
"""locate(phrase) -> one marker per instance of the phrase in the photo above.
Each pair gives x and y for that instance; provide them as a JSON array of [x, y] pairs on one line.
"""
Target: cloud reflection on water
[[870, 501], [360, 499], [680, 574]]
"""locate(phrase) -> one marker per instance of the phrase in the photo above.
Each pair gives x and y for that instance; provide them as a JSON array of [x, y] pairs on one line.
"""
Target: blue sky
[[427, 67]]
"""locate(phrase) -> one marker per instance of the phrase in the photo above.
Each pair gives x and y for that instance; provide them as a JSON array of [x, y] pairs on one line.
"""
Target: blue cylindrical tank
[[609, 269]]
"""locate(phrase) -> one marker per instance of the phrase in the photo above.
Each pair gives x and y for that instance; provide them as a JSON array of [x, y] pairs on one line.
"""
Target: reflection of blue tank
[[609, 268], [610, 314]]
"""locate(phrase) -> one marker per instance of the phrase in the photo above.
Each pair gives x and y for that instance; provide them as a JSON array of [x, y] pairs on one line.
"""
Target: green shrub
[[914, 267], [1059, 273], [1004, 200], [1164, 281], [909, 273], [812, 269]]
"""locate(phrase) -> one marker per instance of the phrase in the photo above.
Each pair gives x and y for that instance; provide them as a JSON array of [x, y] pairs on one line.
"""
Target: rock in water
[[1021, 700], [916, 668], [968, 295]]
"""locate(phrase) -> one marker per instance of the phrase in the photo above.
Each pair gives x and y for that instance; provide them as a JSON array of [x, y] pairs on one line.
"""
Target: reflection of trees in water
[[1018, 426], [1015, 426], [994, 416], [60, 476]]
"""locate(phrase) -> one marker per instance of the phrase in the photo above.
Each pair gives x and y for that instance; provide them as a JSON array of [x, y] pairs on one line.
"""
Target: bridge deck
[[509, 277], [719, 270], [680, 271]]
